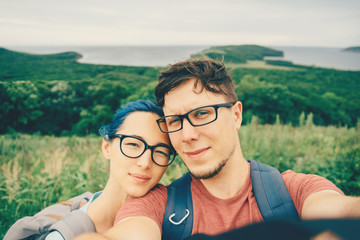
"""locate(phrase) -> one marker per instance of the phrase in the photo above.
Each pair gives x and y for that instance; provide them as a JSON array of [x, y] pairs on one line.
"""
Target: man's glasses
[[196, 117], [133, 147]]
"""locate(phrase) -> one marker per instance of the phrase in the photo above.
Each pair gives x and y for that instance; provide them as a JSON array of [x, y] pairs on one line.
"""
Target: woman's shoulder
[[158, 190]]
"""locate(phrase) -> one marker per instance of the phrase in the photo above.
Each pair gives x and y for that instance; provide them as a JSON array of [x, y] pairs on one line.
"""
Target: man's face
[[205, 149]]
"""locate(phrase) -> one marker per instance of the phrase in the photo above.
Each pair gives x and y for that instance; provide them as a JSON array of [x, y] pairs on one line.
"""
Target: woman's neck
[[103, 210]]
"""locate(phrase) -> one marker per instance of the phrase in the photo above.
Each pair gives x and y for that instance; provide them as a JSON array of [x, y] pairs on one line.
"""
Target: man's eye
[[174, 121], [201, 114]]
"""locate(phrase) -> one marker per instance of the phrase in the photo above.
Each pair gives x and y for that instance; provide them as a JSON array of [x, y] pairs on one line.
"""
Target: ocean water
[[321, 57], [164, 55], [121, 55]]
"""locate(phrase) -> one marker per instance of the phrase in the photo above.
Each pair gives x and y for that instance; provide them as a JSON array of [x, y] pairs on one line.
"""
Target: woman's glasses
[[133, 147]]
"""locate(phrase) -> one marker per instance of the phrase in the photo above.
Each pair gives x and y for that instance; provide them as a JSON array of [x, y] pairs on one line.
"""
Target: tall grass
[[36, 171]]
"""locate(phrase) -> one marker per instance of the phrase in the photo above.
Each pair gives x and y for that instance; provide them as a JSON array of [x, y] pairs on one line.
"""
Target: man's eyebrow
[[193, 108]]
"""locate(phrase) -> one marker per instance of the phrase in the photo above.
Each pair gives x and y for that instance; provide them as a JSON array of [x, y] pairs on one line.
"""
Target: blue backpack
[[270, 192]]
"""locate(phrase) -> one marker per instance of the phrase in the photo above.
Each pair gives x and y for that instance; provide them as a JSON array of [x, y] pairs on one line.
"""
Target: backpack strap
[[270, 192], [178, 217], [269, 189]]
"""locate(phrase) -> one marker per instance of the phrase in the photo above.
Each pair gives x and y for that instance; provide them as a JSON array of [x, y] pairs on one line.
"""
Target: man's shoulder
[[290, 175]]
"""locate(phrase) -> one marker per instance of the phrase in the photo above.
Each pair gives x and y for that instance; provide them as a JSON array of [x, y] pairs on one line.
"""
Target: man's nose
[[188, 131]]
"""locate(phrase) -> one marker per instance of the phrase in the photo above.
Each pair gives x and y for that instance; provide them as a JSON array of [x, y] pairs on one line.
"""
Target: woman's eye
[[132, 144], [162, 153]]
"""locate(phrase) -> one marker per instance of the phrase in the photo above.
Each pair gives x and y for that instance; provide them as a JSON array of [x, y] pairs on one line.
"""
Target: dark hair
[[121, 113], [211, 74]]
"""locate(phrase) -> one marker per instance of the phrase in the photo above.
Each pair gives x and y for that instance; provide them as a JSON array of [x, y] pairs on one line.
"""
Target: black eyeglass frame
[[186, 115], [172, 152]]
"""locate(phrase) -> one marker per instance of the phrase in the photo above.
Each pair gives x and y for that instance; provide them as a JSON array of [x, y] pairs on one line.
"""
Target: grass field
[[37, 171]]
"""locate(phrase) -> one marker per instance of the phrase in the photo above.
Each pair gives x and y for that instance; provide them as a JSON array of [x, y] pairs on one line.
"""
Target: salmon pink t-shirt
[[213, 215]]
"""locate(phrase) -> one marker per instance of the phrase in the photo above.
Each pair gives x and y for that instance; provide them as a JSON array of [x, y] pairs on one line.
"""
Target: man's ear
[[105, 147], [237, 110]]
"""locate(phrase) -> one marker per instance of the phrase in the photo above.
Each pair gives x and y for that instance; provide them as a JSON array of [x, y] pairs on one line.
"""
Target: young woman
[[139, 154]]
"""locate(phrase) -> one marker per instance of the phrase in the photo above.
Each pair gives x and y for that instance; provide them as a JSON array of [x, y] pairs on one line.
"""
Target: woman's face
[[136, 176]]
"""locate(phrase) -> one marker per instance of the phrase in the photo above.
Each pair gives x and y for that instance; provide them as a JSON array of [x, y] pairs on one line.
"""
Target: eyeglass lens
[[196, 117], [133, 147]]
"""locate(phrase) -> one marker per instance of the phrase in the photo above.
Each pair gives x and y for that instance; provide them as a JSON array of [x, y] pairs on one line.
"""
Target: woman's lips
[[139, 177]]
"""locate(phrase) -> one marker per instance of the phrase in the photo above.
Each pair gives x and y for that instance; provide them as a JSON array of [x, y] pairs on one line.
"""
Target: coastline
[[154, 56]]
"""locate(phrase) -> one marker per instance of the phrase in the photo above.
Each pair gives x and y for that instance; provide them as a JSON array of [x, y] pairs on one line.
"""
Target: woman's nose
[[144, 161]]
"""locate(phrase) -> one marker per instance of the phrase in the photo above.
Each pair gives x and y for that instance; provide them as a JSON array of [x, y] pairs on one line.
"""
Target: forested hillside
[[239, 53], [54, 94]]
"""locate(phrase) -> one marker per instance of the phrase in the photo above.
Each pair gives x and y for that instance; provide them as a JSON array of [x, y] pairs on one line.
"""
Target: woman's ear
[[106, 147], [237, 109]]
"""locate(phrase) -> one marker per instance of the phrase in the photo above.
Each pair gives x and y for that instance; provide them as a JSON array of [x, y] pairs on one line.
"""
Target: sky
[[323, 23]]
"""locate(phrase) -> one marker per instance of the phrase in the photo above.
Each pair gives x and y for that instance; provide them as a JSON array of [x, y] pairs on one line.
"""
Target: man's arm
[[330, 204], [133, 228]]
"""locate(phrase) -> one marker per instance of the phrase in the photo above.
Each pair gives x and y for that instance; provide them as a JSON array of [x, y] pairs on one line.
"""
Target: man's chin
[[209, 173], [203, 176]]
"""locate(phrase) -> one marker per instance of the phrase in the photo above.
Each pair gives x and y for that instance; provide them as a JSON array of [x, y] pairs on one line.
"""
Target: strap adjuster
[[179, 222]]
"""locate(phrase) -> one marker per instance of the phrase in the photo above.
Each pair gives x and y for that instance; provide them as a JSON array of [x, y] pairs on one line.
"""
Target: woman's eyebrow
[[137, 136]]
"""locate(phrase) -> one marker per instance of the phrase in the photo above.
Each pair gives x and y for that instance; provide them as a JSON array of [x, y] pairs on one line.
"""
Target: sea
[[326, 57]]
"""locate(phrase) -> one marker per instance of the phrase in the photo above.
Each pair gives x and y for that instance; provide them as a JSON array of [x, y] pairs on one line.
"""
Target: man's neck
[[230, 180]]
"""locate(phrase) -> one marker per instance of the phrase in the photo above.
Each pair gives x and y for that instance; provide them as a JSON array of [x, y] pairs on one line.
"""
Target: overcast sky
[[328, 23]]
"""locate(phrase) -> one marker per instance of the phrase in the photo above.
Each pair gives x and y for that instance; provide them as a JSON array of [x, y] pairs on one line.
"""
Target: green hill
[[239, 53], [63, 66], [55, 94]]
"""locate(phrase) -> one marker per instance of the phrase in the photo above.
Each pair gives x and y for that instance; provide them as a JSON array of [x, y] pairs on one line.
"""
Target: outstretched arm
[[128, 229], [330, 204]]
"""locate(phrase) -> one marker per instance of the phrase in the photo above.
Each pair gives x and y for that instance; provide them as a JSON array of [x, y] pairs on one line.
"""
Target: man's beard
[[213, 172]]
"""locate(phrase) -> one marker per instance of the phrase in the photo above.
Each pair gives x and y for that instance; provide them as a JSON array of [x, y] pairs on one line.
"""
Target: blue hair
[[121, 113]]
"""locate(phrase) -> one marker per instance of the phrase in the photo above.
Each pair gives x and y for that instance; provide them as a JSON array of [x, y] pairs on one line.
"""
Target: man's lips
[[140, 177], [197, 152]]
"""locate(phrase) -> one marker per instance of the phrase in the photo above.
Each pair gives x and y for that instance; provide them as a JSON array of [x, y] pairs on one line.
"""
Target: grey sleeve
[[54, 235], [74, 224]]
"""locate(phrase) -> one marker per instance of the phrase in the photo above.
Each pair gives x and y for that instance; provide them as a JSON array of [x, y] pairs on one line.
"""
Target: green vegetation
[[55, 98], [238, 54], [37, 171], [330, 95], [54, 94]]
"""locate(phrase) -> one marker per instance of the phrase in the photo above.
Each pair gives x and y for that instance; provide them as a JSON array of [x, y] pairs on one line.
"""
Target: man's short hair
[[211, 74]]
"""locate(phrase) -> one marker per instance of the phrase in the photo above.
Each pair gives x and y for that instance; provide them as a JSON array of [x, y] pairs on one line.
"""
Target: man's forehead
[[190, 100]]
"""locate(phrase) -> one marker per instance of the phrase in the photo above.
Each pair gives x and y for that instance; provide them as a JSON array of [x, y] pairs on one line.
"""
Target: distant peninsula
[[352, 49], [238, 53]]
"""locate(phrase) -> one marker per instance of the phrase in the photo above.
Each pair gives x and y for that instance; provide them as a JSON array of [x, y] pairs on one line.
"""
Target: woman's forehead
[[143, 124]]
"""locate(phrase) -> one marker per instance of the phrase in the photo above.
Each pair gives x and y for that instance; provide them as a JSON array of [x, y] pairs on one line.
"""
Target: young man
[[202, 117]]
